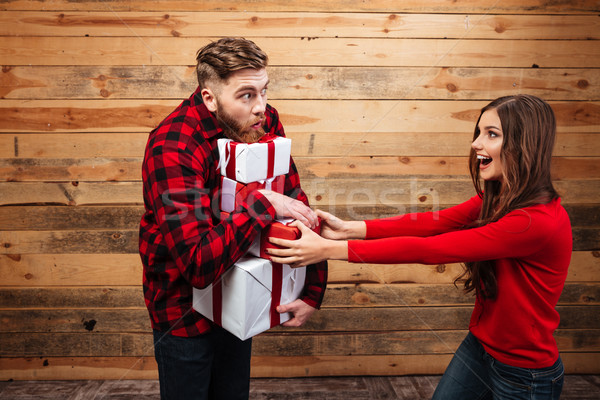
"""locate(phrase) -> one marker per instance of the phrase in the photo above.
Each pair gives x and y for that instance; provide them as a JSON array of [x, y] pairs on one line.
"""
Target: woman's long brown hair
[[529, 130]]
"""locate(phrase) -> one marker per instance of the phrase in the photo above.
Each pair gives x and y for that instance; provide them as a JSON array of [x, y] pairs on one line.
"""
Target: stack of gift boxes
[[244, 299]]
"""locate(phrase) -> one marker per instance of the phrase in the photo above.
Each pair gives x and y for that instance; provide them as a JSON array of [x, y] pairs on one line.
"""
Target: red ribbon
[[230, 155], [276, 293], [271, 162], [217, 298]]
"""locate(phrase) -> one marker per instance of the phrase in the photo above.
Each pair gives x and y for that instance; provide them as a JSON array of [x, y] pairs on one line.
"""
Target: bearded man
[[184, 241]]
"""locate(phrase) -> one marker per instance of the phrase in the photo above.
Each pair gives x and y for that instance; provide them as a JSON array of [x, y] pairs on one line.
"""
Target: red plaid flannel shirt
[[183, 241]]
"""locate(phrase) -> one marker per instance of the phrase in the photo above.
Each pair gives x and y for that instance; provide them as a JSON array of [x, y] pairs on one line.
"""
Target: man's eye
[[263, 92], [246, 96]]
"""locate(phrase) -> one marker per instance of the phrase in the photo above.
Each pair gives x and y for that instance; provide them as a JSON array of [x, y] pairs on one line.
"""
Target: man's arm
[[175, 182]]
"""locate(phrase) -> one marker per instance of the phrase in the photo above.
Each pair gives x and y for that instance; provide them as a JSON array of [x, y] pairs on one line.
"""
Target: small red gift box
[[278, 229], [232, 193], [252, 162]]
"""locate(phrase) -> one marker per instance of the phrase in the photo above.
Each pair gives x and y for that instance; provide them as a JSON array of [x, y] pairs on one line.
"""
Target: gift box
[[232, 193], [244, 300], [252, 162], [279, 229]]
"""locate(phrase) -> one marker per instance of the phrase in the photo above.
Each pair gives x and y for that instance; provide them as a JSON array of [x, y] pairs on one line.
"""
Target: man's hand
[[301, 312], [286, 207]]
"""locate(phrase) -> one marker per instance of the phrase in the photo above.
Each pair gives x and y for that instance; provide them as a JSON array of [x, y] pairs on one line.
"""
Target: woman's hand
[[331, 226], [336, 229], [309, 249]]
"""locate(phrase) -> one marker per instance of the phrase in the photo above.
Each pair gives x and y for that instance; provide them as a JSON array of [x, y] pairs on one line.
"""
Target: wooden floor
[[577, 387]]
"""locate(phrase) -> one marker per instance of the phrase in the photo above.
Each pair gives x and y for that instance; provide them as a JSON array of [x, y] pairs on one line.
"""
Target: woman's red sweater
[[532, 251]]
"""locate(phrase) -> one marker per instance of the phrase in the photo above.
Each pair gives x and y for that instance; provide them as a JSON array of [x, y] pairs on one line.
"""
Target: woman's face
[[488, 145]]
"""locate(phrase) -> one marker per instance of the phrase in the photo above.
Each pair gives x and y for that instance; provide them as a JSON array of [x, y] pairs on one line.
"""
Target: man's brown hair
[[217, 60]]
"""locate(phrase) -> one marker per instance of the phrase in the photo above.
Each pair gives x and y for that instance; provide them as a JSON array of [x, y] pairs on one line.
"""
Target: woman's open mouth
[[483, 160]]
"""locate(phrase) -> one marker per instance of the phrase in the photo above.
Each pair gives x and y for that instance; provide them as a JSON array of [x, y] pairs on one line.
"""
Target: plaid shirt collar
[[208, 120]]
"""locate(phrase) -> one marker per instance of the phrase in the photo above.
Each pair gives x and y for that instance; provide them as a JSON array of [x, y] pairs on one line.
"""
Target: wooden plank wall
[[380, 99]]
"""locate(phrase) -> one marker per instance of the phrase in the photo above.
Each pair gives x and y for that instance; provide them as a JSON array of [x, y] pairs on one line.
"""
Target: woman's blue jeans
[[215, 365], [474, 374]]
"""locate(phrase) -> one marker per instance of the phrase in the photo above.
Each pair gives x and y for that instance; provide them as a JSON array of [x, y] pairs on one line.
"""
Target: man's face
[[240, 103]]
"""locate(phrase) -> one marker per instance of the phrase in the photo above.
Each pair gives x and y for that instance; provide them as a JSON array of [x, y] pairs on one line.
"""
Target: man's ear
[[209, 99]]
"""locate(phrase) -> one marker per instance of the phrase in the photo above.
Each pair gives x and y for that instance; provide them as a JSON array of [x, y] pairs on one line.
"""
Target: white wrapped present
[[244, 299], [252, 162]]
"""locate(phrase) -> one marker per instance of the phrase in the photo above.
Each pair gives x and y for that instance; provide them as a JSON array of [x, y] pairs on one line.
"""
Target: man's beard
[[238, 132]]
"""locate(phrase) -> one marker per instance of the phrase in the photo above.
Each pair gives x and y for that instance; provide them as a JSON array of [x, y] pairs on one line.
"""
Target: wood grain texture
[[305, 144], [296, 115], [305, 82], [403, 194], [315, 345], [338, 295], [313, 25], [302, 51], [50, 270], [49, 218], [459, 6], [380, 99], [48, 368], [402, 167]]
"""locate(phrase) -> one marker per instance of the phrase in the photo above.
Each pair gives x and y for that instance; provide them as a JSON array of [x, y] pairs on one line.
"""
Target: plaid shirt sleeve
[[181, 202]]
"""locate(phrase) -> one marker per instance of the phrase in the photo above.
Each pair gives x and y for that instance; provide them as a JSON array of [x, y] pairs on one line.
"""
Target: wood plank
[[391, 52], [342, 319], [337, 295], [312, 144], [266, 344], [73, 145], [315, 25], [71, 169], [401, 167], [70, 218], [82, 242], [296, 115], [104, 321], [461, 6], [585, 267], [44, 218], [79, 297], [291, 82], [69, 368], [71, 193], [49, 270], [334, 193], [32, 270]]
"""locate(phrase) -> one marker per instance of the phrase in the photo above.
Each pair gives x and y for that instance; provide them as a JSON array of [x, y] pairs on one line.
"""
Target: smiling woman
[[515, 239], [488, 145]]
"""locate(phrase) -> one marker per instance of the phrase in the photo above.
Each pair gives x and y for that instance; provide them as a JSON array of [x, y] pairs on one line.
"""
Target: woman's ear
[[209, 99]]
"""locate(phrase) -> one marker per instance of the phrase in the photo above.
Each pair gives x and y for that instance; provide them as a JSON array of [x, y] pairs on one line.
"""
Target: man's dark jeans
[[215, 365]]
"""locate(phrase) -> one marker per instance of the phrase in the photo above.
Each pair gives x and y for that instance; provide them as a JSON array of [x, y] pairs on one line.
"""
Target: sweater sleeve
[[516, 235], [425, 224]]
